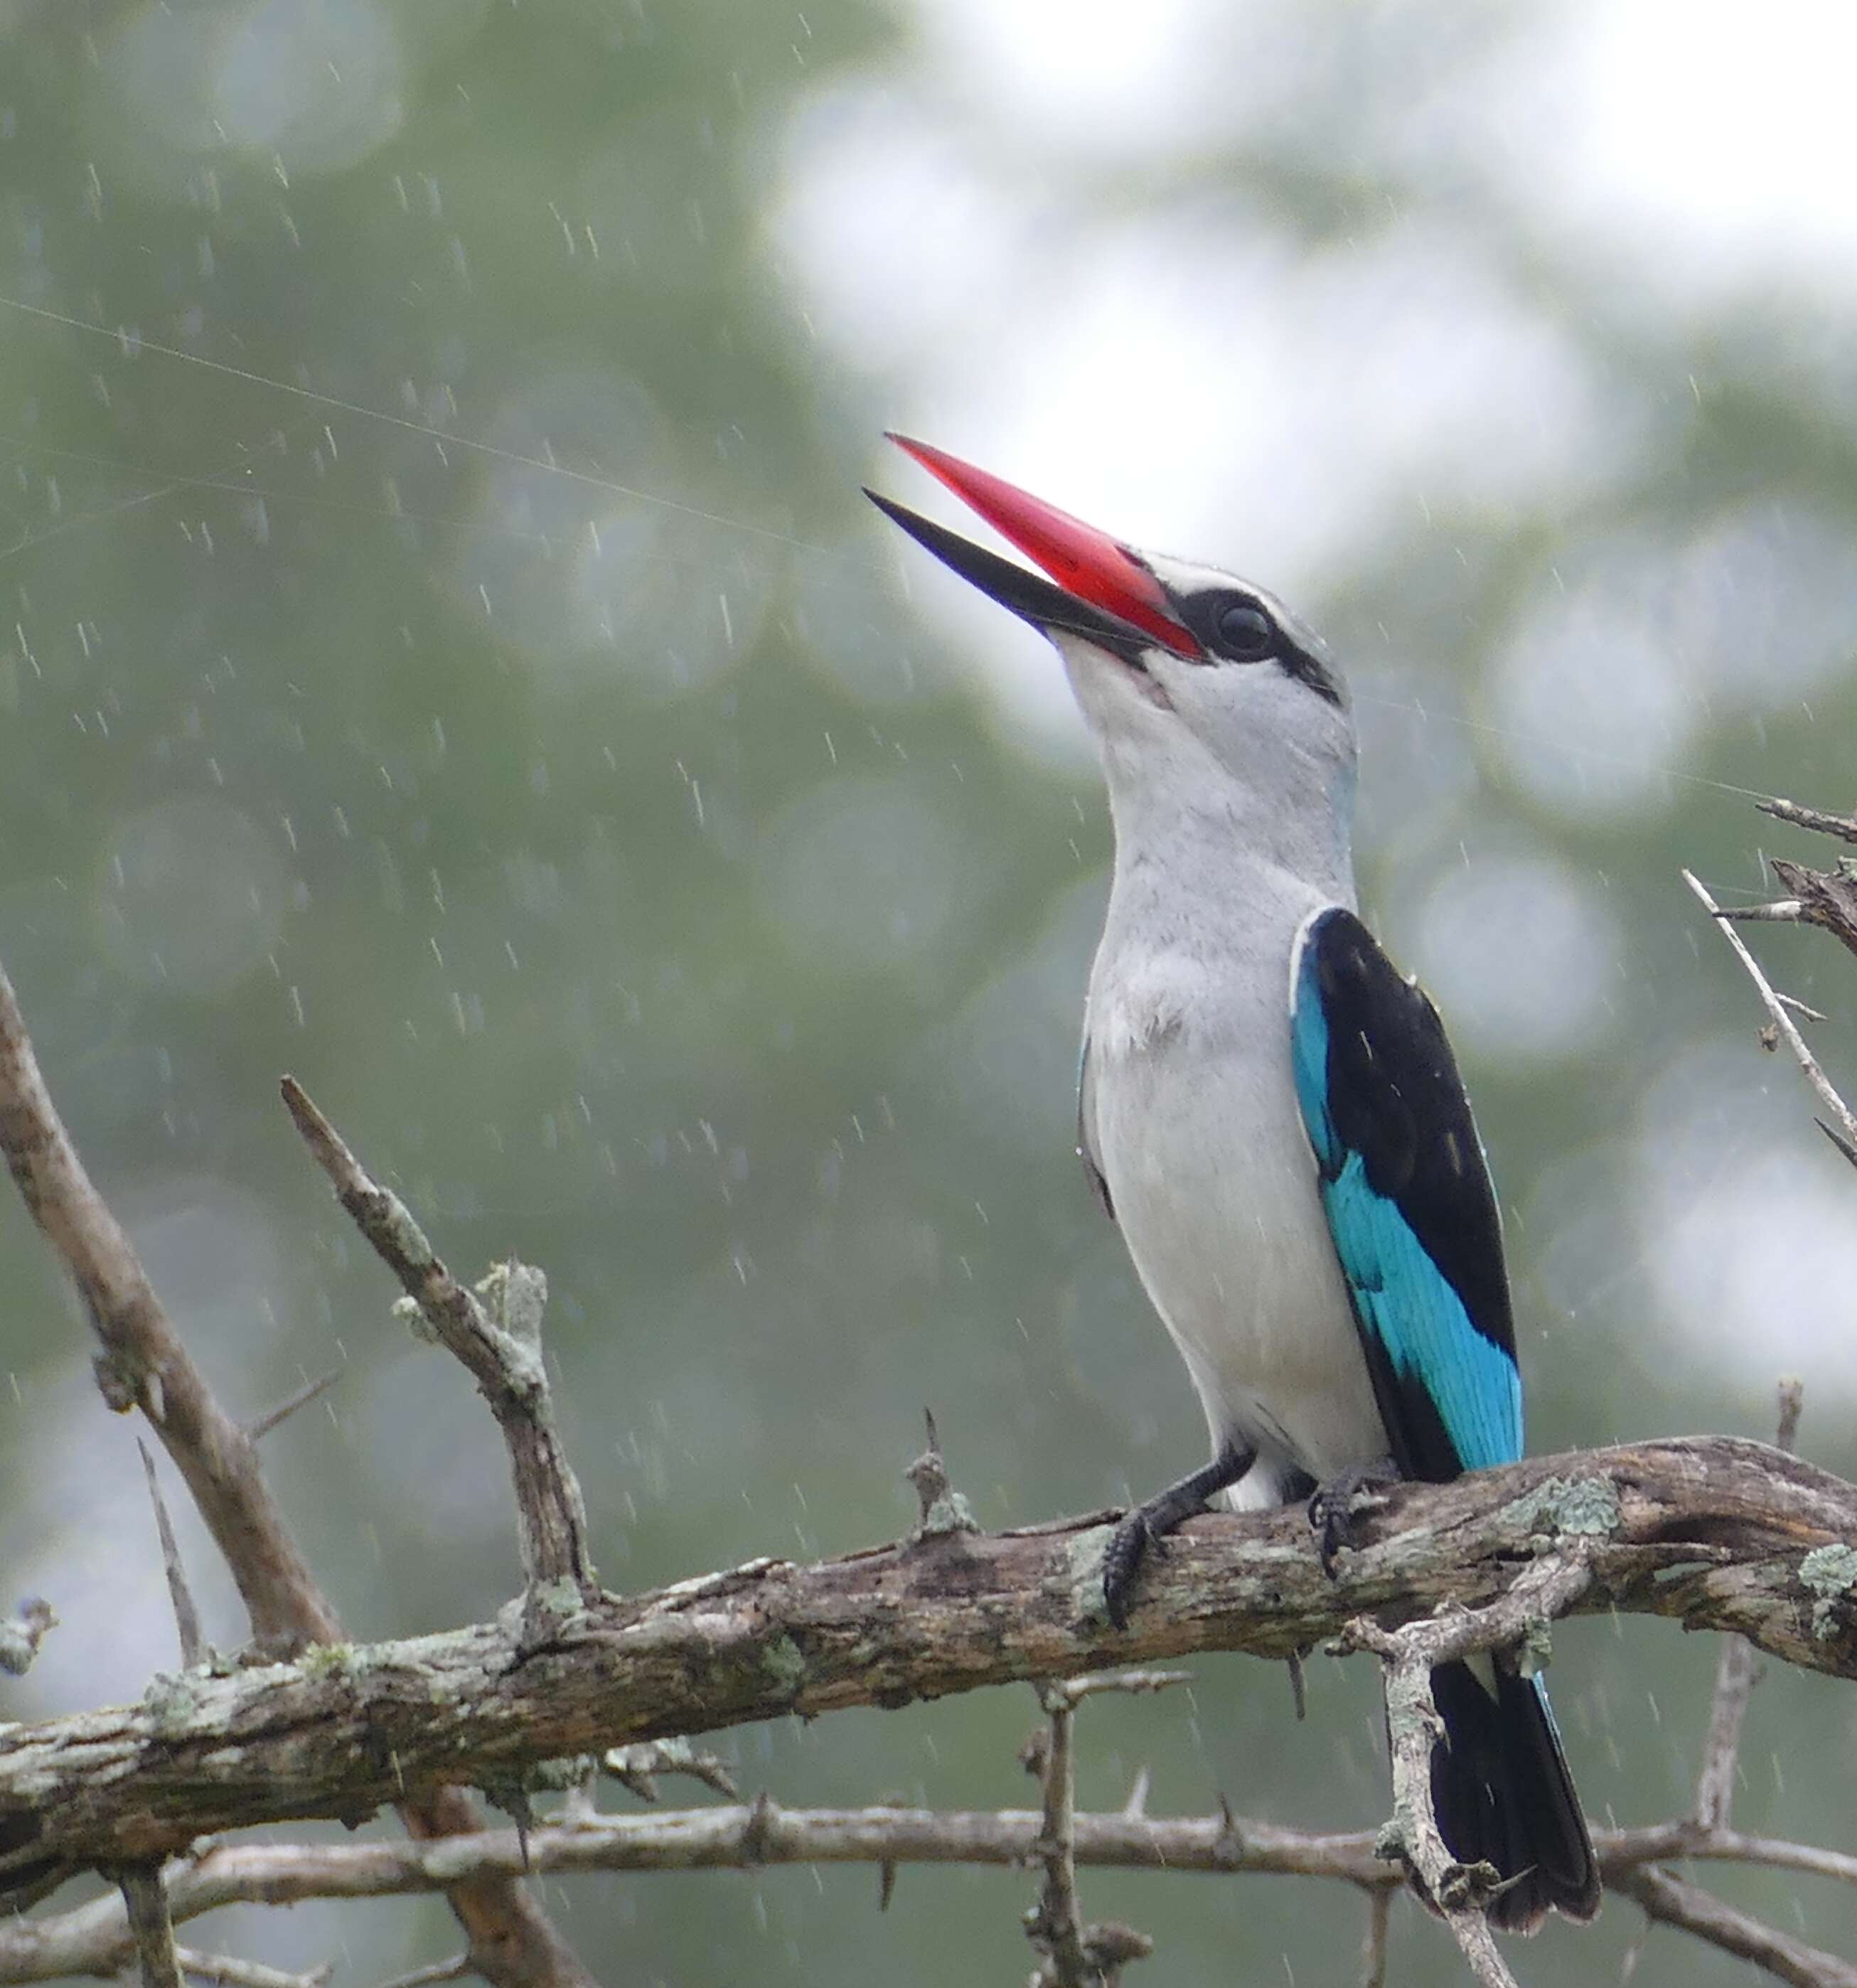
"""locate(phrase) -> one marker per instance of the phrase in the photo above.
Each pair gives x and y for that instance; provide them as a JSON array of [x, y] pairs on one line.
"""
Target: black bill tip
[[1028, 595]]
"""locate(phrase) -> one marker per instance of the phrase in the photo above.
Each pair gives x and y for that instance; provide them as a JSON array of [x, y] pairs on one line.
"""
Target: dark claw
[[1336, 1508], [1145, 1528], [1129, 1546]]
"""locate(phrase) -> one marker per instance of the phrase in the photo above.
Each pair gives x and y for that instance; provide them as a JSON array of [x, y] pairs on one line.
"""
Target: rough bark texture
[[1713, 1532]]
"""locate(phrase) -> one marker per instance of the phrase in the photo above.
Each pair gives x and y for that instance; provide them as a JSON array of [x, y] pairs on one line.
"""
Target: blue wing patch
[[1407, 1192]]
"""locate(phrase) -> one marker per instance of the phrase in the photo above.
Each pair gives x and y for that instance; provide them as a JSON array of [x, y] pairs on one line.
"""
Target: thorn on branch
[[21, 1634], [944, 1510], [1299, 1687], [1791, 1400], [757, 1829], [302, 1397], [187, 1617]]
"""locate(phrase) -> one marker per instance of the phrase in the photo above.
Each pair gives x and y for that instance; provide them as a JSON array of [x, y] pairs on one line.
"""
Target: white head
[[1212, 703]]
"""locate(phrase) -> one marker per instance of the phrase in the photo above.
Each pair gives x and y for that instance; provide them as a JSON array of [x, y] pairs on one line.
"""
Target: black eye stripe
[[1206, 614]]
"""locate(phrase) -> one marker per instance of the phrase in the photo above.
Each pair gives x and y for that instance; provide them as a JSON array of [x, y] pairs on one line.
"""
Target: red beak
[[1083, 561]]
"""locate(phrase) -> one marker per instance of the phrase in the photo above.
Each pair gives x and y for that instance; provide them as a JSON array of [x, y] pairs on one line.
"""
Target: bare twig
[[1673, 1902], [22, 1632], [1845, 1129], [499, 1345], [145, 1902], [1842, 826], [300, 1398], [1735, 1673], [187, 1617]]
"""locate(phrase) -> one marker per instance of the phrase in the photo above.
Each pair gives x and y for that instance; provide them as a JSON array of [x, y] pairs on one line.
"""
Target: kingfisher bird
[[1271, 1114]]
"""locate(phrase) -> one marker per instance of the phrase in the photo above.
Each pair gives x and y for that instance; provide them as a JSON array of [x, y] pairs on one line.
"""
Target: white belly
[[1196, 1125]]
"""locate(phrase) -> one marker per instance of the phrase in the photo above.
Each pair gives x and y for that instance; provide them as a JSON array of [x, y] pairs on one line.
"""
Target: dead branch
[[1713, 1532]]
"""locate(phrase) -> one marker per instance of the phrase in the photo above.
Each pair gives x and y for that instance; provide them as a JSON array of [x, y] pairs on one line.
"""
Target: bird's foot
[[1336, 1507], [1148, 1524]]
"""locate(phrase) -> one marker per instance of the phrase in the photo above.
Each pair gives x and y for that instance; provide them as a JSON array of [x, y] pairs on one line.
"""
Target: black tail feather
[[1503, 1796]]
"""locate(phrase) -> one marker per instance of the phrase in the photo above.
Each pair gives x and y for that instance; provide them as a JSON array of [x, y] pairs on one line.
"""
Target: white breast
[[1194, 1120]]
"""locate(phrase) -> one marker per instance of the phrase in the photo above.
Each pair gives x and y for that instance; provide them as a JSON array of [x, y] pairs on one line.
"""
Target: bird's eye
[[1246, 634]]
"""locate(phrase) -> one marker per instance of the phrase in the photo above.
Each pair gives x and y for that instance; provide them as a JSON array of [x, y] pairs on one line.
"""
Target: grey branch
[[95, 1938], [1842, 826], [499, 1343], [1711, 1532], [1845, 1129], [144, 1363]]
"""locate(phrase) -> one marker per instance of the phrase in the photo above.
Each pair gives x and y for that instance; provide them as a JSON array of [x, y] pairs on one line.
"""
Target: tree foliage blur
[[445, 654]]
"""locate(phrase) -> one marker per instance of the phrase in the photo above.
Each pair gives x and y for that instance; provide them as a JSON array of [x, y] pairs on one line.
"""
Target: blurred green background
[[444, 653]]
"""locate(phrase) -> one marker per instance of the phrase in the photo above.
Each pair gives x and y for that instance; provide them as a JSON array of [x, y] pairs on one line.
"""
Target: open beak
[[1103, 592]]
